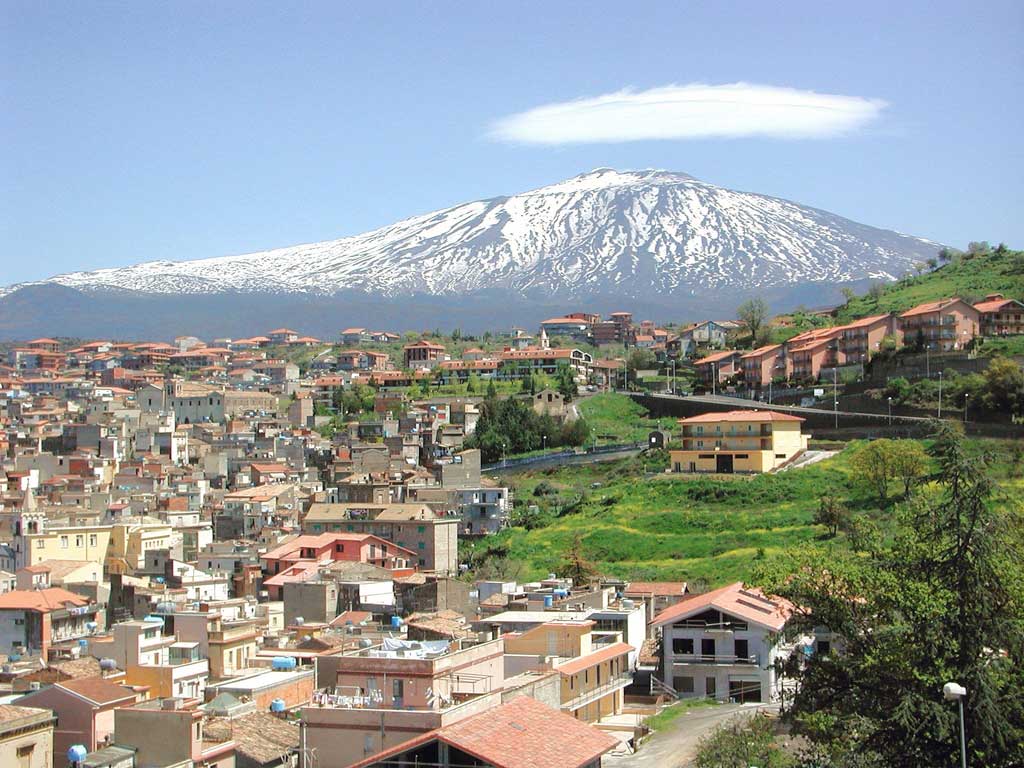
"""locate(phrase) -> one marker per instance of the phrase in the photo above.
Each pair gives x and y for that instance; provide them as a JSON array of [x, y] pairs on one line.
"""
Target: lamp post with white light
[[956, 692]]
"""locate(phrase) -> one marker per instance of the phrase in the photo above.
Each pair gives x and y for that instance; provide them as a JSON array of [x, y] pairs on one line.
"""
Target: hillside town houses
[[226, 552]]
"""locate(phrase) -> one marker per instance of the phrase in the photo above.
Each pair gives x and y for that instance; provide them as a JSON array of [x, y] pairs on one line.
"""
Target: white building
[[724, 644]]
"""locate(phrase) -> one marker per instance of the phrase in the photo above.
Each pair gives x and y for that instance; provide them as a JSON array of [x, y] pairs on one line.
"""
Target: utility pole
[[714, 379], [835, 394], [940, 395]]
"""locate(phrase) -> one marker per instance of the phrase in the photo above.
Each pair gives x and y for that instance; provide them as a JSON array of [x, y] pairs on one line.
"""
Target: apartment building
[[738, 441], [382, 695], [417, 527], [723, 644], [718, 367], [170, 732], [764, 365], [859, 340], [38, 620], [26, 736], [422, 354], [1000, 316], [942, 325], [522, 733]]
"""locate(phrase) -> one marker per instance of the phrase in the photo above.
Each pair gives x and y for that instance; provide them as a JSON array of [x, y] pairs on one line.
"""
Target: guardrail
[[592, 451]]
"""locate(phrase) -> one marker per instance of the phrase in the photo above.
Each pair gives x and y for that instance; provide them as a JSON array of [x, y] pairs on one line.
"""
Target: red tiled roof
[[933, 306], [522, 733], [761, 351], [97, 690], [42, 600], [704, 418], [716, 356], [993, 305], [586, 662], [666, 588], [749, 604]]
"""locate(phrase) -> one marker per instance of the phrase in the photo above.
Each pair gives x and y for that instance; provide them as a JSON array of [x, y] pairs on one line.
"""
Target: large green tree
[[941, 600]]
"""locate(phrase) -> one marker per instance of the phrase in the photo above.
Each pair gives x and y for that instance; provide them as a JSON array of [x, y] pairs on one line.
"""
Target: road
[[556, 461], [676, 745]]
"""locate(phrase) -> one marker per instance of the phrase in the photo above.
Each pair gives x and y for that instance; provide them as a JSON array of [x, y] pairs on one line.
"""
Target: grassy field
[[633, 521], [615, 417]]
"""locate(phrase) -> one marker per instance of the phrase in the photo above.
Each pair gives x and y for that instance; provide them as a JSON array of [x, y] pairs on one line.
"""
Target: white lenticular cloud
[[693, 111]]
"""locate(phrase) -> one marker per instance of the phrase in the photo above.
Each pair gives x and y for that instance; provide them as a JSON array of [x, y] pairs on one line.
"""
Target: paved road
[[555, 461], [676, 745]]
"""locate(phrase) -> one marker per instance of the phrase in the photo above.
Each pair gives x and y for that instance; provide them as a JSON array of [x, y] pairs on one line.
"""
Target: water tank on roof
[[548, 601], [627, 603], [159, 579], [299, 621], [14, 657], [283, 663], [77, 753], [91, 625], [277, 705], [365, 642], [560, 593], [82, 642], [396, 622], [165, 606], [154, 618], [552, 577], [108, 665]]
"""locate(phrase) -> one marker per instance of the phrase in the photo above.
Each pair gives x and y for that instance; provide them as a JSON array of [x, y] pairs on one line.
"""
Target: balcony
[[615, 683], [713, 658]]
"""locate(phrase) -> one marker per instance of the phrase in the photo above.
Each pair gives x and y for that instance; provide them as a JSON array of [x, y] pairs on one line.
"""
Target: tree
[[876, 291], [941, 599], [472, 384], [1004, 387], [492, 390], [908, 462], [742, 743], [848, 294], [871, 466], [753, 313], [575, 565], [566, 378], [832, 513]]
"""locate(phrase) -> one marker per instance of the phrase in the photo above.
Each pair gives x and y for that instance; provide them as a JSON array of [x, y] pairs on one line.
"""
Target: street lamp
[[714, 378], [673, 389], [956, 692], [890, 410], [940, 395], [835, 394], [966, 397], [543, 442], [503, 454]]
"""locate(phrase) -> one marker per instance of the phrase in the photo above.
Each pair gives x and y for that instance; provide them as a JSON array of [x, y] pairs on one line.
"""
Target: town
[[286, 551]]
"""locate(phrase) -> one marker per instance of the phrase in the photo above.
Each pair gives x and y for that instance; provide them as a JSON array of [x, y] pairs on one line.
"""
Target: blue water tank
[[396, 622], [14, 657], [108, 664], [77, 753], [159, 579], [277, 705], [82, 642], [560, 593], [154, 618], [91, 625], [283, 663], [548, 601]]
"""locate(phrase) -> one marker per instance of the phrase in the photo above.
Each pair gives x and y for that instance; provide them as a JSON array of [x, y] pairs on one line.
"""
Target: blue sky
[[143, 130]]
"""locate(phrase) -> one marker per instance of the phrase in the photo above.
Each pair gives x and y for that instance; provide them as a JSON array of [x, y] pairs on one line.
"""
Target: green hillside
[[968, 275], [633, 521]]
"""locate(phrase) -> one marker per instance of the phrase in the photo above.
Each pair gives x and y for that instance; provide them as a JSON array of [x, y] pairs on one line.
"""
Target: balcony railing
[[614, 683], [712, 658]]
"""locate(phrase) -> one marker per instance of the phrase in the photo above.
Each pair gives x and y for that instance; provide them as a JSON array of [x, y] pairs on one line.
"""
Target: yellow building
[[26, 737], [35, 541], [738, 441], [593, 674], [131, 542]]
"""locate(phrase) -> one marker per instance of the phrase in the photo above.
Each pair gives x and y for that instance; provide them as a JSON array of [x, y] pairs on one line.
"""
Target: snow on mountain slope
[[632, 234]]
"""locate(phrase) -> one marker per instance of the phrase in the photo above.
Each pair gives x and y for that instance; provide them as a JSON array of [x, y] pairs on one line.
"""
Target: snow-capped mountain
[[634, 235]]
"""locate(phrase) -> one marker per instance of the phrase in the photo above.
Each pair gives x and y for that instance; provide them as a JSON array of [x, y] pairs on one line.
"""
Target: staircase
[[661, 688]]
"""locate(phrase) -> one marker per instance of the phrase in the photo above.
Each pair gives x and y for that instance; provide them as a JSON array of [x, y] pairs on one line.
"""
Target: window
[[421, 528], [79, 540], [92, 539], [707, 647], [683, 684], [780, 455], [709, 686], [368, 748], [742, 649], [63, 542], [397, 689], [824, 646], [682, 645], [421, 545]]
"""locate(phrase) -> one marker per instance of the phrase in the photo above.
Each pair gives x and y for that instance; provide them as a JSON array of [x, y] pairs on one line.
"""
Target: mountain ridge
[[648, 240]]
